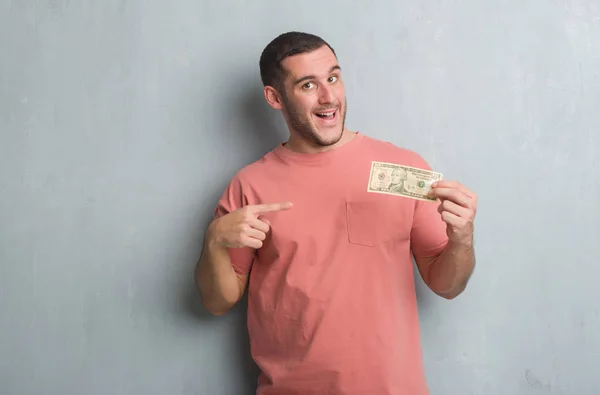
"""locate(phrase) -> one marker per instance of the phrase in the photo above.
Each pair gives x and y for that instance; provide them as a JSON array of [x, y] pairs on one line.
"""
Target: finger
[[255, 234], [451, 219], [260, 224], [269, 208], [451, 194], [451, 207], [453, 184], [251, 242]]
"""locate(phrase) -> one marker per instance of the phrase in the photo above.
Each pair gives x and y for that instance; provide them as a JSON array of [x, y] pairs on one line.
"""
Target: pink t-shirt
[[331, 297]]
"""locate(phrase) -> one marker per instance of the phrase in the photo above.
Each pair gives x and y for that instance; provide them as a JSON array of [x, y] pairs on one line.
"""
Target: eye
[[307, 86], [333, 79]]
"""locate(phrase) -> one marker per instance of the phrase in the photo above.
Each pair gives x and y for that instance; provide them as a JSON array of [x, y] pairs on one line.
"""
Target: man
[[397, 181], [331, 294]]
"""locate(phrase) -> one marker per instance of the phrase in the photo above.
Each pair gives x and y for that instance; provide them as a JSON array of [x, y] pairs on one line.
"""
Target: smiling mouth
[[327, 114]]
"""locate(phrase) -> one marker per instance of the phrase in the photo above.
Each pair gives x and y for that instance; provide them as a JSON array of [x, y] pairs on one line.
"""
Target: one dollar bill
[[393, 179]]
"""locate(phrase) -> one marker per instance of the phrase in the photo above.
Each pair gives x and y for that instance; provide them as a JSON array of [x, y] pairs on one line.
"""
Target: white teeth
[[327, 114]]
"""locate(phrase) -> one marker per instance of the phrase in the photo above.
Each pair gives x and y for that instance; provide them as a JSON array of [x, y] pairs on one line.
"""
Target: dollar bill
[[410, 182]]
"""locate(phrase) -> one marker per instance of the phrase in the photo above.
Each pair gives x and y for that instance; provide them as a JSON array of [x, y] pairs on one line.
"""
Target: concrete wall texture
[[122, 121]]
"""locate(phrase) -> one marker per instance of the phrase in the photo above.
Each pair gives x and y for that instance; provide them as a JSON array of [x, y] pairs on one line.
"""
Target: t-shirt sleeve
[[231, 199], [428, 234]]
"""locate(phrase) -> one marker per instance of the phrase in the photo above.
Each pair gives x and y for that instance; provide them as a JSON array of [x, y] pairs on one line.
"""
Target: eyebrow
[[310, 77]]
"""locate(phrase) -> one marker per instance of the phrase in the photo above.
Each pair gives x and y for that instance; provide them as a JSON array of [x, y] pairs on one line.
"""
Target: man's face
[[314, 99], [398, 175]]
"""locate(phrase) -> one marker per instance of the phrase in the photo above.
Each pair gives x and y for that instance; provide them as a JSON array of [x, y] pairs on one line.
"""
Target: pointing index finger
[[271, 207]]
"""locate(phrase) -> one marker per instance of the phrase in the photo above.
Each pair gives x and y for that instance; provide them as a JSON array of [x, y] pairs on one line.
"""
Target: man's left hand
[[458, 207]]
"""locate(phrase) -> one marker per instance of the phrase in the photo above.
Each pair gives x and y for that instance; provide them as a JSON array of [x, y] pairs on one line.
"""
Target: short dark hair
[[282, 46]]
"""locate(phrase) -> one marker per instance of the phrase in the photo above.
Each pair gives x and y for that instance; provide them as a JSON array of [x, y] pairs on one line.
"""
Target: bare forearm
[[216, 280], [451, 270]]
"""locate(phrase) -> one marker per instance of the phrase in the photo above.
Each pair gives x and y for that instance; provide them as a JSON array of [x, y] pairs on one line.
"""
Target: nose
[[326, 95]]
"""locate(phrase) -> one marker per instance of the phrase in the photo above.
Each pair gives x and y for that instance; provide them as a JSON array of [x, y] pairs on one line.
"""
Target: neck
[[298, 144]]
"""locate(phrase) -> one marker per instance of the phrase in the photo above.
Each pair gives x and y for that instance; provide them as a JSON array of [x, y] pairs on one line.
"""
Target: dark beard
[[303, 126]]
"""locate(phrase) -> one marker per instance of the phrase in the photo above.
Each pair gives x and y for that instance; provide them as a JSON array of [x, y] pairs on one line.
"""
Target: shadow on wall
[[263, 127], [257, 130]]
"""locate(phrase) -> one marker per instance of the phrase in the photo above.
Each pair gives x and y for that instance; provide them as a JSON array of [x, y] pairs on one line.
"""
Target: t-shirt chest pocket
[[371, 222]]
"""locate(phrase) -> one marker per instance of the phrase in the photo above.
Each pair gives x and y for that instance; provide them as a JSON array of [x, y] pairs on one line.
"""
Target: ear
[[273, 98]]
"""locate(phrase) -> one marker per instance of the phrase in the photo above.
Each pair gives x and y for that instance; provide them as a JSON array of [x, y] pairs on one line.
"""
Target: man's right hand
[[242, 227]]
